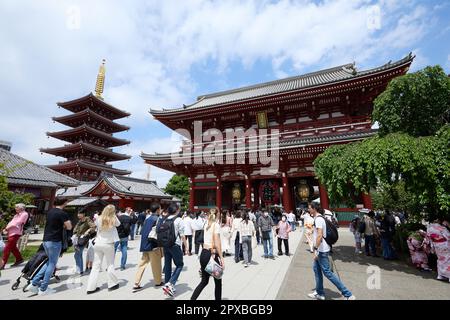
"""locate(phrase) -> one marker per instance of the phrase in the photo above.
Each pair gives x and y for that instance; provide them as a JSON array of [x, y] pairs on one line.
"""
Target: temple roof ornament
[[100, 84]]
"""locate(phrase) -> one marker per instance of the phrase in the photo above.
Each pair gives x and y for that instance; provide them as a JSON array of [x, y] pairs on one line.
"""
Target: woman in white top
[[235, 227], [107, 235], [246, 231], [211, 245], [308, 222], [197, 227], [225, 232], [187, 221]]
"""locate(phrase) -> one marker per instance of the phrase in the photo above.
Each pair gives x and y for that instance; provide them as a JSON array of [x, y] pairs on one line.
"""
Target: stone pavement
[[260, 281], [398, 281]]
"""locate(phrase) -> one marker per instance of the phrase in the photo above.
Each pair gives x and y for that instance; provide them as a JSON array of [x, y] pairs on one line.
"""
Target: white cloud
[[151, 49]]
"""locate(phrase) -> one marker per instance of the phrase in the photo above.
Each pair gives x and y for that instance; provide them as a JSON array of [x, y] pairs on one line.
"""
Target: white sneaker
[[31, 288], [46, 292], [316, 296], [352, 297]]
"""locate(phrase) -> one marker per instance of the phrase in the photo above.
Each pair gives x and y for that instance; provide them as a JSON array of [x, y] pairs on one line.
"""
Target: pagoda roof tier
[[69, 135], [76, 119], [286, 146], [94, 103], [332, 79], [68, 165], [81, 146]]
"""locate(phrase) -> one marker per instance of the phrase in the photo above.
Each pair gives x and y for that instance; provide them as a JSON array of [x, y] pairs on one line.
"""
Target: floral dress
[[418, 245], [439, 237]]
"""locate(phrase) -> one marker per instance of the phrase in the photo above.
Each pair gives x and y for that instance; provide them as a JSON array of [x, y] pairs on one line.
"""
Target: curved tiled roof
[[310, 80], [90, 113], [27, 173]]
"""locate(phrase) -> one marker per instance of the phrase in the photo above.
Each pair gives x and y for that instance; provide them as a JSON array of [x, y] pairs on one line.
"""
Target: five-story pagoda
[[90, 137]]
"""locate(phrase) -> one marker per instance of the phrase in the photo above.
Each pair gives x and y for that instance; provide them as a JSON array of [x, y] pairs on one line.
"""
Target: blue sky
[[161, 54]]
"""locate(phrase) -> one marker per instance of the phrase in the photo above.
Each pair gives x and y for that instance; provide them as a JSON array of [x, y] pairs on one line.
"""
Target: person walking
[[57, 222], [170, 233], [258, 234], [14, 230], [151, 253], [235, 231], [134, 219], [197, 227], [107, 236], [211, 248], [284, 227], [140, 221], [225, 233], [354, 228], [370, 231], [439, 234], [247, 231], [265, 224], [321, 264], [123, 230], [291, 220], [308, 222], [187, 221], [83, 229], [387, 231]]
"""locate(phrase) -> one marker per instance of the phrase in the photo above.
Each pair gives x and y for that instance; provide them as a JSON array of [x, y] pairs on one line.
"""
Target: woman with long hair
[[247, 231], [211, 246], [107, 235], [225, 234]]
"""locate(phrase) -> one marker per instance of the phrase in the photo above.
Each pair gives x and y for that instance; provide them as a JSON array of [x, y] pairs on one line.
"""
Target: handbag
[[2, 244], [83, 241], [214, 268]]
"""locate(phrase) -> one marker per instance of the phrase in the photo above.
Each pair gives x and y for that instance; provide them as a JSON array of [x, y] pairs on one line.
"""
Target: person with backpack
[[57, 223], [14, 231], [324, 235], [151, 253], [107, 236], [212, 247], [370, 231], [170, 236], [83, 229], [123, 230]]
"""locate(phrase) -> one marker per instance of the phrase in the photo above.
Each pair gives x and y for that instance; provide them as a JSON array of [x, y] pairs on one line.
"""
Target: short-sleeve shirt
[[179, 228], [207, 237], [55, 225], [320, 224]]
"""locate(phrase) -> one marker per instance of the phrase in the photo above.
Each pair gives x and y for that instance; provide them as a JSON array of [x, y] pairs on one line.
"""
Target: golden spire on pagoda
[[100, 84]]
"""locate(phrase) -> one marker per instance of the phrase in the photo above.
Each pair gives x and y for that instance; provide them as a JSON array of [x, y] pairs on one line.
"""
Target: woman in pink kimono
[[439, 236], [419, 248]]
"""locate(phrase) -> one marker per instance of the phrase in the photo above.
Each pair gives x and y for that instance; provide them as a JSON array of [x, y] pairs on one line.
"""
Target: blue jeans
[[321, 267], [238, 253], [268, 246], [132, 231], [53, 250], [388, 251], [370, 244], [79, 258], [172, 253], [124, 249], [292, 225]]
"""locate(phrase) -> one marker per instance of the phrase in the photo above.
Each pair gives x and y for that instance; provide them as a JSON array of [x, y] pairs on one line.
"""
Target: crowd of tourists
[[167, 236]]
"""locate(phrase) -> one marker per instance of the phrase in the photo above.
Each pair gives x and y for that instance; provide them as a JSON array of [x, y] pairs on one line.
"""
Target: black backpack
[[165, 232], [332, 235]]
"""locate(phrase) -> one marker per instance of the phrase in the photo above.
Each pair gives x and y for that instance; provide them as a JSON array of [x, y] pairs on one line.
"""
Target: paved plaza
[[283, 278]]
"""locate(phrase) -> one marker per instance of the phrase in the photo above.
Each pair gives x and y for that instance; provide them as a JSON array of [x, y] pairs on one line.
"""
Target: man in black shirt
[[57, 222], [124, 231]]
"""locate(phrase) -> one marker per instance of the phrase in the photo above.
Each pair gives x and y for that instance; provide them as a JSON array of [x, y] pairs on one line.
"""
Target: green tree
[[178, 186], [417, 104], [9, 199], [411, 149]]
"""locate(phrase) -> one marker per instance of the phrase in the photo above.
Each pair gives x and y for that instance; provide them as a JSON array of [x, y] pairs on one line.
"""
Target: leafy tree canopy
[[178, 186], [417, 104]]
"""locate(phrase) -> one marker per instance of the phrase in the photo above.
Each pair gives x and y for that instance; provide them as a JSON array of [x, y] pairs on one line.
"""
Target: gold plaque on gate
[[261, 120], [303, 190], [236, 192]]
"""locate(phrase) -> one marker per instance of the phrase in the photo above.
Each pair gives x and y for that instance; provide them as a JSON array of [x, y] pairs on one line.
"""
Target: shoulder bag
[[214, 268]]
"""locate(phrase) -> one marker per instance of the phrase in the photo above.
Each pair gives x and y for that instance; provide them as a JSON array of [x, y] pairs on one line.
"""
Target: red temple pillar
[[191, 195], [256, 199], [219, 192], [286, 193], [323, 197], [248, 192], [367, 200]]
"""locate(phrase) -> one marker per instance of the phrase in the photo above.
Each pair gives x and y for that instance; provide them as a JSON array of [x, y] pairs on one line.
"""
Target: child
[[90, 255], [354, 228]]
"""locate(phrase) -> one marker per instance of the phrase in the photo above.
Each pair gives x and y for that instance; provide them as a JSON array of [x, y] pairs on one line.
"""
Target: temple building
[[306, 114], [90, 137]]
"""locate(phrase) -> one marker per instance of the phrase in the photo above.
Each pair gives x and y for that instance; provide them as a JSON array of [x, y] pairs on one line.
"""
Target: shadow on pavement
[[3, 282], [347, 254]]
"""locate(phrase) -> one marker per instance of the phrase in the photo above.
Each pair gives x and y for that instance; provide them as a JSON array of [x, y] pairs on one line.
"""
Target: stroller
[[32, 268]]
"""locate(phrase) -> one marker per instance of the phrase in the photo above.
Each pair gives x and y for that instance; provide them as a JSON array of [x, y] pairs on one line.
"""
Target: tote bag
[[213, 268]]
